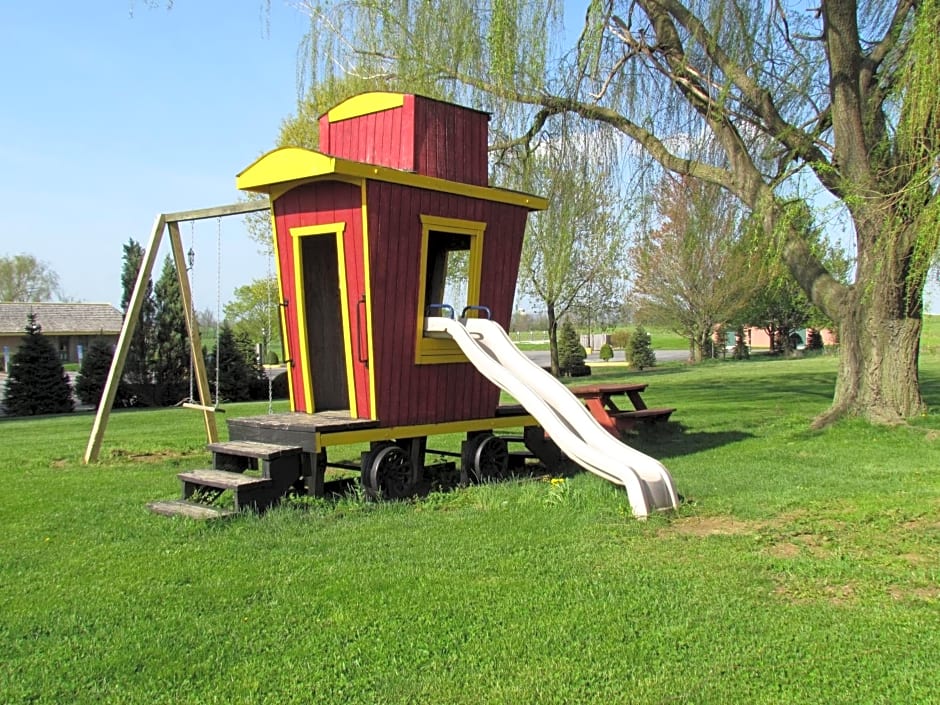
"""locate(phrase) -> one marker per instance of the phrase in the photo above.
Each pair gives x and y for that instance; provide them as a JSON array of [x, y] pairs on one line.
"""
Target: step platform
[[249, 492], [190, 510]]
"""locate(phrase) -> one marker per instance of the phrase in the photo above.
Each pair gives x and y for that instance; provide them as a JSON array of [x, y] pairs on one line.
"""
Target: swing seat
[[203, 407]]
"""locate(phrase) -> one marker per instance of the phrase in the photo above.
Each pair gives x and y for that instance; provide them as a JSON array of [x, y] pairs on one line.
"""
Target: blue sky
[[113, 112]]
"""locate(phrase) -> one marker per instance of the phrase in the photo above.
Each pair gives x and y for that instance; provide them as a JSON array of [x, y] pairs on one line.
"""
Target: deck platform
[[313, 432], [295, 429]]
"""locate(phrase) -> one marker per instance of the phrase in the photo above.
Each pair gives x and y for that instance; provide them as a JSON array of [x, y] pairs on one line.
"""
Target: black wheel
[[387, 472], [488, 456]]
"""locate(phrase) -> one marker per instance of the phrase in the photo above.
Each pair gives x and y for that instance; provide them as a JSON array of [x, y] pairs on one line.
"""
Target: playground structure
[[397, 265]]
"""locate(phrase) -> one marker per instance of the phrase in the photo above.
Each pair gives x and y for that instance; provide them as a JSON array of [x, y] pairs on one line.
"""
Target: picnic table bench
[[599, 400]]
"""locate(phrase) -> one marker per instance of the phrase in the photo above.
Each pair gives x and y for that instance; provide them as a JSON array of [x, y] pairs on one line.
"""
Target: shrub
[[280, 388], [271, 358], [606, 353], [640, 351], [37, 383], [570, 353]]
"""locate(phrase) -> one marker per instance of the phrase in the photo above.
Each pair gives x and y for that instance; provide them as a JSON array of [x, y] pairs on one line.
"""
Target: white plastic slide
[[563, 416]]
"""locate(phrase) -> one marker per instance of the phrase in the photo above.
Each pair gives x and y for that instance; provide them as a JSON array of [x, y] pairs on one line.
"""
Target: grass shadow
[[671, 440]]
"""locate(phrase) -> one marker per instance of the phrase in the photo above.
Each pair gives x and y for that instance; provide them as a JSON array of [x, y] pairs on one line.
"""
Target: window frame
[[429, 351]]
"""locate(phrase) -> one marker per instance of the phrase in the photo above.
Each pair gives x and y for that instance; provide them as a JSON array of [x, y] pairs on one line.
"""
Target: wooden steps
[[191, 510], [280, 468]]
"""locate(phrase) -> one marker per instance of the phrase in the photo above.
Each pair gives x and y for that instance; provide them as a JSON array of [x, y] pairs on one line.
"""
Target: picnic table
[[599, 399]]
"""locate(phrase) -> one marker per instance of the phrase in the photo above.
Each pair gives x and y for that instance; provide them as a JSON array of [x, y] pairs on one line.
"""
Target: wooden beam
[[133, 314], [195, 341], [124, 342], [252, 206]]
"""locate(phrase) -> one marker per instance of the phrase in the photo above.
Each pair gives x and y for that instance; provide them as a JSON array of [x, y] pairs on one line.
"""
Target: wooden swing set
[[166, 222]]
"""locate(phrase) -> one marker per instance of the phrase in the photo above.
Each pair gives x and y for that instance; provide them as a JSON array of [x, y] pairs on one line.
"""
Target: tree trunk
[[879, 319], [878, 366], [553, 337], [880, 325]]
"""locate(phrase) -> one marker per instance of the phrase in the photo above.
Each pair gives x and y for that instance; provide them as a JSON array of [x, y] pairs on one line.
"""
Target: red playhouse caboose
[[392, 218]]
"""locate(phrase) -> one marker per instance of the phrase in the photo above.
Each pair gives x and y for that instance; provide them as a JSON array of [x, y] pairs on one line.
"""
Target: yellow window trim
[[337, 230], [430, 351]]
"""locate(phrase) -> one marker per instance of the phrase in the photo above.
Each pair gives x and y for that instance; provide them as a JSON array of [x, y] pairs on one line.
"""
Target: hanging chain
[[269, 332], [218, 301], [191, 261]]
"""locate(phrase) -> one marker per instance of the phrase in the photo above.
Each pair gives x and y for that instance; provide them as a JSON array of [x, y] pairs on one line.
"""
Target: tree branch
[[759, 99]]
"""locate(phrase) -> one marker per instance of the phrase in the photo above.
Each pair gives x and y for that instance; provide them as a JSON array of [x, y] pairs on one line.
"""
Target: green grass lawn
[[803, 567]]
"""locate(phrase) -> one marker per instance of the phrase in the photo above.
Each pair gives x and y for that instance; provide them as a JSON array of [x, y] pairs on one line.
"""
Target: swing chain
[[191, 260], [218, 302]]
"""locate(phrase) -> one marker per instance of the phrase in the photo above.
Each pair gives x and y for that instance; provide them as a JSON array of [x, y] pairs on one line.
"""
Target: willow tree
[[841, 97], [575, 245]]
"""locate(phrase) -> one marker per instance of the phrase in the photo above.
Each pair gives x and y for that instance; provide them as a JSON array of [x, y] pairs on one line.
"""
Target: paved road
[[543, 357]]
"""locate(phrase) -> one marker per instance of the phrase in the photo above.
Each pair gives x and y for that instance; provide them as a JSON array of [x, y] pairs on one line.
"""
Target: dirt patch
[[709, 526], [914, 558], [784, 550], [921, 524], [833, 594], [157, 456], [924, 594]]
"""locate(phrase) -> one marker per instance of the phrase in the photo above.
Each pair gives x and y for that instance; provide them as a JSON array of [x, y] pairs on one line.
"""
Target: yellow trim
[[365, 104], [437, 350], [394, 432], [337, 230], [283, 169], [367, 285], [282, 312], [299, 298]]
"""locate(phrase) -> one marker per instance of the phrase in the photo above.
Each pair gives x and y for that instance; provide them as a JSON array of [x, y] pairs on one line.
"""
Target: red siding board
[[425, 136], [317, 204], [407, 393]]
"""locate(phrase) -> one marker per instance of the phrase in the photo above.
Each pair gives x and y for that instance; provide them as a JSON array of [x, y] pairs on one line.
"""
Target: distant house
[[71, 327], [758, 338]]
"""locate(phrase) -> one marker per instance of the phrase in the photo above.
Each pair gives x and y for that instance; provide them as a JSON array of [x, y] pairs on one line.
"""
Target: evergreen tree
[[137, 369], [89, 384], [640, 350], [814, 339], [37, 383], [570, 352], [170, 361], [741, 351], [606, 353], [235, 371]]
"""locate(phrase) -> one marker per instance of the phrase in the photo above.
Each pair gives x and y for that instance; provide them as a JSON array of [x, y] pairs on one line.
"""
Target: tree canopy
[[692, 270], [25, 278], [772, 102]]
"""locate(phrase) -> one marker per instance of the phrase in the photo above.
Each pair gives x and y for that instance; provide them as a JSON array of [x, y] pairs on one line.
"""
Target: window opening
[[448, 269], [452, 260]]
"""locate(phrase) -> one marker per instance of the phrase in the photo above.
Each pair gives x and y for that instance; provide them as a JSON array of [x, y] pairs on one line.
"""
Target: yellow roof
[[283, 169]]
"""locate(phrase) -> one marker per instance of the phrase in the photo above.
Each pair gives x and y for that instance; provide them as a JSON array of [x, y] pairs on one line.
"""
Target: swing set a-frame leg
[[163, 222]]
